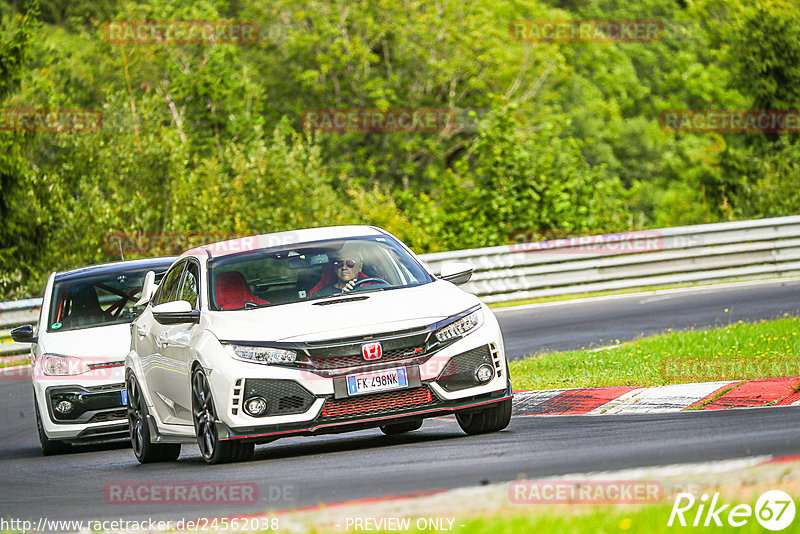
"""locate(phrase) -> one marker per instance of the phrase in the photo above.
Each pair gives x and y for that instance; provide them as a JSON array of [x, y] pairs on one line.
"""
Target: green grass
[[569, 519], [651, 519], [735, 352]]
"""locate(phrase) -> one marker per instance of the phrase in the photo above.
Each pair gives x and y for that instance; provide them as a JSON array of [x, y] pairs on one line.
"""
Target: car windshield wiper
[[350, 294]]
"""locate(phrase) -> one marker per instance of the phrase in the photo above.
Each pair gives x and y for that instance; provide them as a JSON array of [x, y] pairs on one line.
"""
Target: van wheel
[[49, 446]]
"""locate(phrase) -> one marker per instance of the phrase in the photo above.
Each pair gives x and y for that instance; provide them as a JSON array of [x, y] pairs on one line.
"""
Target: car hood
[[382, 311], [112, 342]]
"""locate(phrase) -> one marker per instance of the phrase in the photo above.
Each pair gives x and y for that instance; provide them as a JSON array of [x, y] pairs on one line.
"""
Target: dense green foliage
[[552, 139]]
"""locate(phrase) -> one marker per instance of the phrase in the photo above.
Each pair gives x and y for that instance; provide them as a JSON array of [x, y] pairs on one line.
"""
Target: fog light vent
[[484, 373], [64, 407], [255, 406]]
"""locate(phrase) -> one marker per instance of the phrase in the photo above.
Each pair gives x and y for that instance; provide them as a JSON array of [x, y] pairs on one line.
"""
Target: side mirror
[[176, 312], [148, 288], [24, 334], [456, 272]]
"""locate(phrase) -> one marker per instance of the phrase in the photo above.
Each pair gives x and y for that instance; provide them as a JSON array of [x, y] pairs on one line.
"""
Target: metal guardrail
[[743, 250]]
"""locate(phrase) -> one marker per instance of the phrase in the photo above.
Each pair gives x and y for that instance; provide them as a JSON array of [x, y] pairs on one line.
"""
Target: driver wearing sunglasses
[[346, 270]]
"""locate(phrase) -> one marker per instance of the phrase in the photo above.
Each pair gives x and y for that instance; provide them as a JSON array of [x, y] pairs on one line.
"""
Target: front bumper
[[98, 411], [428, 404]]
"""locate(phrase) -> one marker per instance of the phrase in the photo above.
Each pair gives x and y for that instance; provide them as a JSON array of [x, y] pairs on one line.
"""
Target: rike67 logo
[[774, 510]]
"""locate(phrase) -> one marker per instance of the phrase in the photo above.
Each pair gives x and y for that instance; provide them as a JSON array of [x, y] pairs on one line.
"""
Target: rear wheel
[[213, 450], [401, 428], [49, 446], [144, 450], [492, 419]]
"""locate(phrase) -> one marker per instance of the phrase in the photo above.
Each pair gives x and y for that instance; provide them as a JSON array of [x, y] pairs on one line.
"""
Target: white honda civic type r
[[308, 332], [78, 352]]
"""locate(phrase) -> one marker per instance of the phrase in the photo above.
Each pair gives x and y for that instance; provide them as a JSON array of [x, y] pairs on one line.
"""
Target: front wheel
[[204, 416], [492, 419], [144, 450], [49, 446], [401, 428]]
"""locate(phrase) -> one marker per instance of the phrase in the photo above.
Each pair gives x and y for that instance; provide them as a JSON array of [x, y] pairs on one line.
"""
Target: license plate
[[377, 381], [124, 397]]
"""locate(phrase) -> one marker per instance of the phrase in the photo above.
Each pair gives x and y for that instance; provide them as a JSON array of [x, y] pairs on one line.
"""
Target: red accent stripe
[[580, 401], [755, 393], [783, 459]]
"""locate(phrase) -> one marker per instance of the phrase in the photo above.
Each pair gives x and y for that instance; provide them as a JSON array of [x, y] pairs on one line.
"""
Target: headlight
[[461, 326], [57, 365], [264, 355]]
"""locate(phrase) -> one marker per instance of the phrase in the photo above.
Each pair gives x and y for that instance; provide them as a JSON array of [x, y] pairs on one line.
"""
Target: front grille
[[104, 417], [105, 387], [343, 362], [459, 373], [85, 401], [349, 355], [283, 396], [377, 403]]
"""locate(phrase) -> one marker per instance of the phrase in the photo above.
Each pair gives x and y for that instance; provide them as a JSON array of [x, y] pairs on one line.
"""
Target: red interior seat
[[232, 292]]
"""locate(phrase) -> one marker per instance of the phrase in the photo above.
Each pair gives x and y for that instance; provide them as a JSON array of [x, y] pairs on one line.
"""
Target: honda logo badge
[[371, 351]]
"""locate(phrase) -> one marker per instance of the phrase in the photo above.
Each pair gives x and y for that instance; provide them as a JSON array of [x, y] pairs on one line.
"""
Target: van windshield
[[100, 300]]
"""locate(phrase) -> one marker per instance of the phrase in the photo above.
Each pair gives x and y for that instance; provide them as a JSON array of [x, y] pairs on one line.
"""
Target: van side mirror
[[24, 334]]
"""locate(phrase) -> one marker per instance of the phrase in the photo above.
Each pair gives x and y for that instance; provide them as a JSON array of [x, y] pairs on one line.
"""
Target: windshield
[[100, 300], [270, 277]]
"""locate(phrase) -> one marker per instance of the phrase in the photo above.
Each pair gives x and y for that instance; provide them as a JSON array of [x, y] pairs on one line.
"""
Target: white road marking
[[659, 399]]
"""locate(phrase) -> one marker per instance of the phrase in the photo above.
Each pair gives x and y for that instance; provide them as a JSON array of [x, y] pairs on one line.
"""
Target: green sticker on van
[[55, 326]]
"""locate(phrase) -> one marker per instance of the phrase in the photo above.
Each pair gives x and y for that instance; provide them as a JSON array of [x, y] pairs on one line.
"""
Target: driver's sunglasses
[[339, 263]]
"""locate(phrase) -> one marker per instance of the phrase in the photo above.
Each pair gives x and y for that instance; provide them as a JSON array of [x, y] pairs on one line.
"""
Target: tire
[[204, 416], [49, 446], [401, 428], [146, 451], [491, 419]]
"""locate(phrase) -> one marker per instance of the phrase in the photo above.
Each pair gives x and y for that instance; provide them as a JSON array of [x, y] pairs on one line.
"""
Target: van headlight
[[58, 365], [460, 327], [265, 355]]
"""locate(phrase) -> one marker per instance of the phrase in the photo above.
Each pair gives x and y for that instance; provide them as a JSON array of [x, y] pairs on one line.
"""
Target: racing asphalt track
[[298, 472]]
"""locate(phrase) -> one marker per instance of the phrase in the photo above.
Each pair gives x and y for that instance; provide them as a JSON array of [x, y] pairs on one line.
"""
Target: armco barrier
[[743, 250]]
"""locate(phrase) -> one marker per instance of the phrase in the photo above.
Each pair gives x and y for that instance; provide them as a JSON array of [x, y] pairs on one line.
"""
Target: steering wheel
[[370, 280]]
